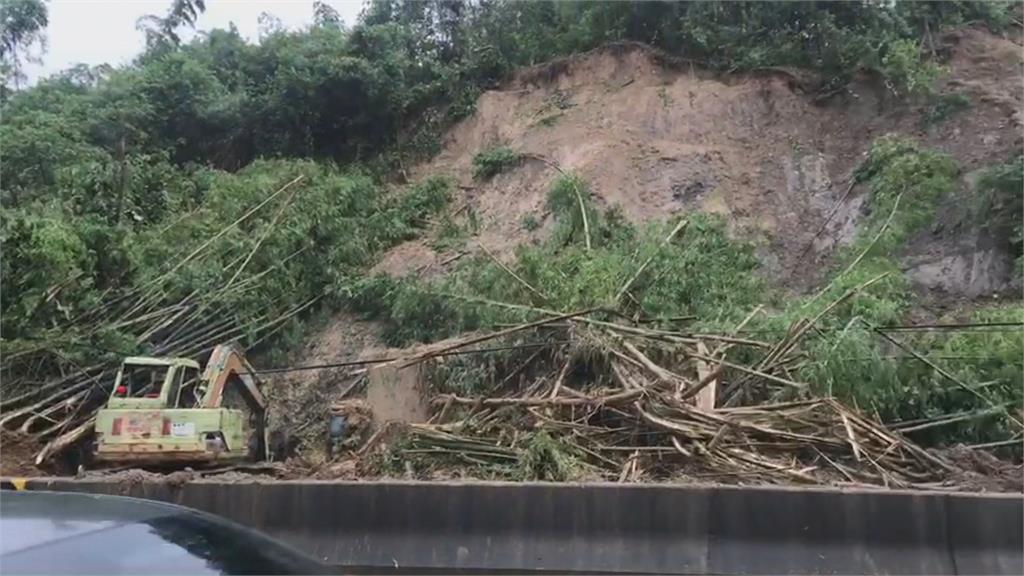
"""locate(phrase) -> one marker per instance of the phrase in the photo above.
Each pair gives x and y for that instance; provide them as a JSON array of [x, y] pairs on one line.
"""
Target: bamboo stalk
[[640, 270], [947, 375], [64, 441], [477, 339], [612, 399], [881, 231], [227, 229], [952, 419], [512, 273], [270, 228]]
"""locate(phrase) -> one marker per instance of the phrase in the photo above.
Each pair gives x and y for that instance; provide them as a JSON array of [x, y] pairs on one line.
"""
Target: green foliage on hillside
[[61, 261], [494, 161], [945, 106], [701, 272], [906, 183], [22, 30], [1000, 204], [859, 365]]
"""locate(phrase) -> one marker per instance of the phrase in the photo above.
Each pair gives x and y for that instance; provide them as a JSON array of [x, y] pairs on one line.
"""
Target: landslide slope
[[660, 138]]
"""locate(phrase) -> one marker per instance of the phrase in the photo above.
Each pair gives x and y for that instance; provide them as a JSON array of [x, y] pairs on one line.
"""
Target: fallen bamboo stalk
[[227, 229], [952, 419], [575, 189], [45, 414], [612, 399], [57, 383], [501, 333], [15, 415], [1010, 442], [791, 342], [270, 228], [512, 273], [946, 375], [851, 436], [583, 213], [557, 387], [751, 371], [831, 214], [881, 231], [889, 437], [722, 349], [62, 442], [668, 336], [662, 374]]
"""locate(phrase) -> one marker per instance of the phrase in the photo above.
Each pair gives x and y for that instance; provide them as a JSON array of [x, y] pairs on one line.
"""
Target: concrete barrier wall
[[615, 528]]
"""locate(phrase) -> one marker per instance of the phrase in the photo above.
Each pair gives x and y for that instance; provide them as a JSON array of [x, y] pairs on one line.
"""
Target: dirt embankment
[[660, 141], [17, 455], [300, 401]]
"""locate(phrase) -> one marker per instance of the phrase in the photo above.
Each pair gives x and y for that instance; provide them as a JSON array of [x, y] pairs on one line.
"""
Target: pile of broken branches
[[628, 403]]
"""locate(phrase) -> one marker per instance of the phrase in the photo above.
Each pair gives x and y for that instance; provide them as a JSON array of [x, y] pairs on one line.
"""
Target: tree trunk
[[121, 177]]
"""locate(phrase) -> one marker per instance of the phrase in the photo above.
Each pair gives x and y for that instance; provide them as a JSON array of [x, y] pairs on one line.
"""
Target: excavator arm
[[227, 362], [228, 367]]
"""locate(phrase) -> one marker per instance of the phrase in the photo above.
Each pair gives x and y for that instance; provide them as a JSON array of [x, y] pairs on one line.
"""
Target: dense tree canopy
[[22, 26]]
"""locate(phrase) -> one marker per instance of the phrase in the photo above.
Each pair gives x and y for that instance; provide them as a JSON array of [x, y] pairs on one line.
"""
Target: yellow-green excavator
[[162, 410]]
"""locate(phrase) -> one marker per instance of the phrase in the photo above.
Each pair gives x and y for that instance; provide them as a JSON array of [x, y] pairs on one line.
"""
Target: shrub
[[945, 106], [907, 73], [1000, 203], [490, 163]]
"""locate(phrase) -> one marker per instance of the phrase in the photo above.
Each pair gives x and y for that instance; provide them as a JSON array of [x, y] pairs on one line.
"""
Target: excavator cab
[[163, 410]]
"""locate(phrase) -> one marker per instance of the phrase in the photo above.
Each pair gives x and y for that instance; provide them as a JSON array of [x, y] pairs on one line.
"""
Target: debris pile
[[612, 400]]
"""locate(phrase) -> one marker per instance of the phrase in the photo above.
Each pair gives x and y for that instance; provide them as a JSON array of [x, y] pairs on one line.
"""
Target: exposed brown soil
[[397, 394], [300, 401], [407, 256], [17, 455], [983, 472], [660, 141]]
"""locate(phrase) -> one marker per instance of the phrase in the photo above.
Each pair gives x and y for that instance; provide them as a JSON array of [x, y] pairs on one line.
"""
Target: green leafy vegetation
[[906, 71], [906, 184], [854, 362], [530, 223], [59, 266], [544, 458], [701, 271], [984, 368], [22, 32], [1000, 204], [946, 106], [490, 163], [550, 120]]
